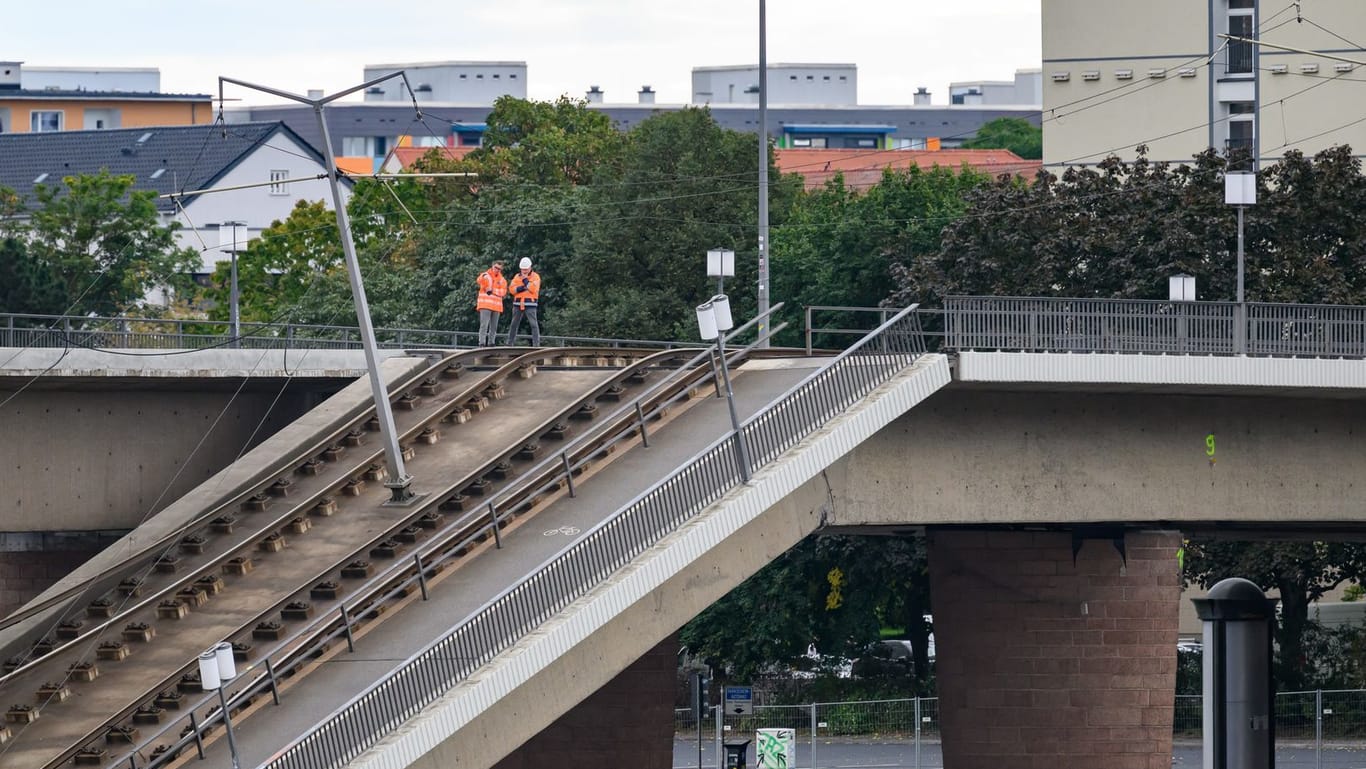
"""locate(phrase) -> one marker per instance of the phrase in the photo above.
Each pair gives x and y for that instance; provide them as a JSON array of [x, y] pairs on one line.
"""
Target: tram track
[[266, 530]]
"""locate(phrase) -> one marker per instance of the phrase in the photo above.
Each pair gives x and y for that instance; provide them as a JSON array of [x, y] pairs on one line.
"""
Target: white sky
[[568, 45]]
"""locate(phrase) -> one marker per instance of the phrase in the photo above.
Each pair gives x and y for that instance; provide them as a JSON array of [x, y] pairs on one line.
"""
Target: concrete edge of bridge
[[670, 557], [251, 469]]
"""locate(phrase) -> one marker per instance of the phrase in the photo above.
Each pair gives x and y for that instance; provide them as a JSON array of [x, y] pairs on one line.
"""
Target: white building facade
[[834, 85], [1117, 76]]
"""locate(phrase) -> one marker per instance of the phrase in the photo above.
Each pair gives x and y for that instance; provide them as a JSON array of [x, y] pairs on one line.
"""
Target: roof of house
[[407, 156], [70, 94], [162, 159], [863, 168]]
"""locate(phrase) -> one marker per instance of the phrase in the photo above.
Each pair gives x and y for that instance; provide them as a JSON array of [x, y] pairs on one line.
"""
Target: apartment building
[[1119, 75], [64, 99]]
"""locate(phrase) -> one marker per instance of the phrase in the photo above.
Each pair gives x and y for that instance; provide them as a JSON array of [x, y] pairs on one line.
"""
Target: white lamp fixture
[[720, 263], [706, 321], [1181, 288], [216, 668], [1240, 189]]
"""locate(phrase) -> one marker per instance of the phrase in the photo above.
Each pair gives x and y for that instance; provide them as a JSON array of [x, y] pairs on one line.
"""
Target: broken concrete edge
[[253, 468], [212, 363]]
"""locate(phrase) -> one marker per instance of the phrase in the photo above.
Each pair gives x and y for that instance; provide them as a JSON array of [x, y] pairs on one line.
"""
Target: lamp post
[[216, 669], [227, 236], [1240, 191], [713, 321], [763, 173]]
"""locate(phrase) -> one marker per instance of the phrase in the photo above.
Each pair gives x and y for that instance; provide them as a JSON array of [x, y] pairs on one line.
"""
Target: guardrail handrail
[[603, 549], [1077, 324], [262, 675], [59, 330]]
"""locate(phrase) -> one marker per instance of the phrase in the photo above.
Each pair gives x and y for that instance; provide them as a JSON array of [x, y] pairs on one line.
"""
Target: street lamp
[[1240, 191], [720, 265], [227, 236], [713, 321], [216, 669]]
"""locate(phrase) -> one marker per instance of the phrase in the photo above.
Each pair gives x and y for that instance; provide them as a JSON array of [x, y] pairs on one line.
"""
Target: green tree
[[833, 592], [1301, 572], [27, 285], [557, 143], [1009, 133], [639, 245], [839, 245], [105, 244], [1122, 228]]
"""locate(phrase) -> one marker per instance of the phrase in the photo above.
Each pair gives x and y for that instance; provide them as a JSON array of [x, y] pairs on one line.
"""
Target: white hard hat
[[525, 264]]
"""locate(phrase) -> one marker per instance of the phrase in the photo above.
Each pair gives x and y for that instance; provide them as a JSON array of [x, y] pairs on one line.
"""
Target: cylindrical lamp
[[720, 305], [706, 321]]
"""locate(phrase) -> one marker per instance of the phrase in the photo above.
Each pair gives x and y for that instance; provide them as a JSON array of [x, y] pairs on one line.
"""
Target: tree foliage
[[1122, 228], [1300, 572], [103, 244], [1009, 133], [833, 593]]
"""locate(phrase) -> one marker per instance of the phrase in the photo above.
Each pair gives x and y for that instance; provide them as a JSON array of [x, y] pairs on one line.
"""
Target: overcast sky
[[568, 45]]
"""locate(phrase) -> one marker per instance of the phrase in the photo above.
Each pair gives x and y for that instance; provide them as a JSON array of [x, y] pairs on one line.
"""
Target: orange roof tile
[[406, 156], [863, 168]]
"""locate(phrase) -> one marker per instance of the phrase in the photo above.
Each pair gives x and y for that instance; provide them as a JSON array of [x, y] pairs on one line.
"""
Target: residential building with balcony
[[1159, 74]]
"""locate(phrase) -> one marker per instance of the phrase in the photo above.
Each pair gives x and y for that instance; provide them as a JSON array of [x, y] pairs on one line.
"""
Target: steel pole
[[741, 453], [227, 724], [1240, 316], [399, 480], [763, 173], [234, 297]]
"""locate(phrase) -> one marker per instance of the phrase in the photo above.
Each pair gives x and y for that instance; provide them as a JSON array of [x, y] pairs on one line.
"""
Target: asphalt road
[[876, 754]]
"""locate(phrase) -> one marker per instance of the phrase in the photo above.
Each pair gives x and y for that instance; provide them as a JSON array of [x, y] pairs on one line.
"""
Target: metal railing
[[1041, 324], [330, 627], [18, 330], [605, 548]]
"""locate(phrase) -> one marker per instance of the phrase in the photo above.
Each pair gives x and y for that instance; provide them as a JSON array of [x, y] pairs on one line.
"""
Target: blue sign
[[739, 700]]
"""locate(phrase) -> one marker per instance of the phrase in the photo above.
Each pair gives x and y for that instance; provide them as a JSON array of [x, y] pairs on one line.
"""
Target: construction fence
[[1314, 723]]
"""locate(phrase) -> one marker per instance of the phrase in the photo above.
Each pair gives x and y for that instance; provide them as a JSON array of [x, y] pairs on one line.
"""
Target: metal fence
[[156, 333], [1040, 324], [607, 547], [1312, 728]]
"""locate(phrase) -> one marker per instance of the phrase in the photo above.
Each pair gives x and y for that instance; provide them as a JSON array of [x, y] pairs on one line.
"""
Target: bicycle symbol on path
[[567, 531]]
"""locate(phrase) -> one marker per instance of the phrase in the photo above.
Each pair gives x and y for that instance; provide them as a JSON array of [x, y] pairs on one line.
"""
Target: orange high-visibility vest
[[528, 298], [491, 281]]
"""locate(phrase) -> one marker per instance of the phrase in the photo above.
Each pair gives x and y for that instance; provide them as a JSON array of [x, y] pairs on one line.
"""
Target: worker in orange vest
[[492, 288], [525, 291]]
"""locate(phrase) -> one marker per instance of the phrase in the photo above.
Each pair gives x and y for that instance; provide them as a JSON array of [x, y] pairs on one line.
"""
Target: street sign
[[739, 700]]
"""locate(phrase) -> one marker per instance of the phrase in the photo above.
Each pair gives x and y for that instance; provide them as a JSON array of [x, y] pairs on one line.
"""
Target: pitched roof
[[863, 168], [161, 159], [407, 156], [83, 95]]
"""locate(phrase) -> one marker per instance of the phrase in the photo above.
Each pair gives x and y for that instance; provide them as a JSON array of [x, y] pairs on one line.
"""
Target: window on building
[[801, 142], [45, 120], [512, 76], [818, 143], [863, 143], [279, 182], [1241, 133], [496, 76], [1240, 24], [4, 120]]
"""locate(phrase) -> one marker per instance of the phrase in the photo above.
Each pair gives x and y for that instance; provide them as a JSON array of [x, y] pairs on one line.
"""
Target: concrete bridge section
[[1051, 488], [1054, 498], [97, 441]]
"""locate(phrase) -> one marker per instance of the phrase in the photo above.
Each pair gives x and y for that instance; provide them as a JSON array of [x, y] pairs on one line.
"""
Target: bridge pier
[[1049, 658], [629, 722]]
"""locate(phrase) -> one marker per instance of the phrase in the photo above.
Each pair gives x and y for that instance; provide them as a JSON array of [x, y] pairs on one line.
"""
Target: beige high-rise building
[[1117, 75]]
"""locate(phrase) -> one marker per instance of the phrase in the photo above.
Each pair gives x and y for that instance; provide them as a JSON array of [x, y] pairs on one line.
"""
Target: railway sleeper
[[408, 402], [429, 387]]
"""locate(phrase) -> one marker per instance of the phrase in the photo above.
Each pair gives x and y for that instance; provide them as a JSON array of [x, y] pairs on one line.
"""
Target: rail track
[[105, 673]]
